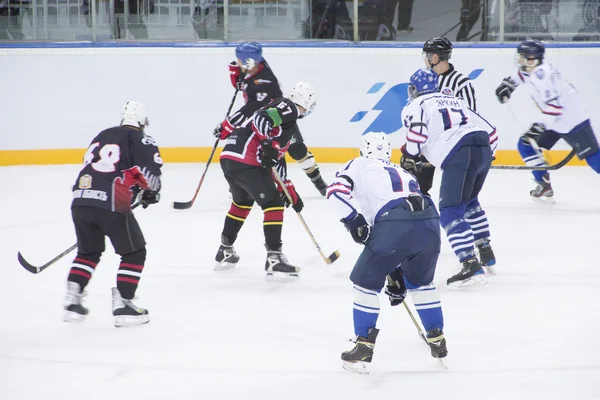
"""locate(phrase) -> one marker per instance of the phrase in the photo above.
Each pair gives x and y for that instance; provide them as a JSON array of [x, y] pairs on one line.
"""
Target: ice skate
[[226, 257], [543, 191], [126, 313], [437, 343], [74, 311], [319, 184], [359, 358], [486, 256], [278, 268], [471, 274]]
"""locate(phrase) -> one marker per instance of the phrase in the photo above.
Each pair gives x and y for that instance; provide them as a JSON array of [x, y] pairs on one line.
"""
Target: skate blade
[[359, 367], [73, 317], [544, 200], [122, 321], [281, 277], [220, 266], [490, 270], [475, 280], [442, 363]]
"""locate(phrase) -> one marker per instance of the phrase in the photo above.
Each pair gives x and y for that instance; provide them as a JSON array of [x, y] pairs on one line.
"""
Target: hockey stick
[[188, 204], [540, 168], [328, 260], [36, 270]]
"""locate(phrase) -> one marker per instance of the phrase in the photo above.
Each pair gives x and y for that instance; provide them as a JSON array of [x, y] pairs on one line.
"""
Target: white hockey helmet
[[376, 145], [134, 114], [303, 94]]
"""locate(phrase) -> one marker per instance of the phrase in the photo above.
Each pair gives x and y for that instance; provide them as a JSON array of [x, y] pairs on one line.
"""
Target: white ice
[[531, 333]]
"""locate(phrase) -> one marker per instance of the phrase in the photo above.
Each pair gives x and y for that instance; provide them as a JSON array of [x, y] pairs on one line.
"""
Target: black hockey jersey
[[117, 159], [259, 89], [275, 122]]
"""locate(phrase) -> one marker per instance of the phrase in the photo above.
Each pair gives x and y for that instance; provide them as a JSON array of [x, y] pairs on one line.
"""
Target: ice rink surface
[[530, 333]]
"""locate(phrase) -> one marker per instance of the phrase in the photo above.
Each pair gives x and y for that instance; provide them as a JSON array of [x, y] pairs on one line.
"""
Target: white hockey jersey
[[555, 96], [435, 124], [367, 186]]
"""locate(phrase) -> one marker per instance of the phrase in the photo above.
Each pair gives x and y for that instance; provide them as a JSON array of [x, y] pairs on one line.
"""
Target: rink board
[[67, 93]]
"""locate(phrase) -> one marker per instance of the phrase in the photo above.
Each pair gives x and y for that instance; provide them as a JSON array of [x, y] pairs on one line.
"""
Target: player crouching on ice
[[250, 153], [384, 210], [456, 139], [566, 116]]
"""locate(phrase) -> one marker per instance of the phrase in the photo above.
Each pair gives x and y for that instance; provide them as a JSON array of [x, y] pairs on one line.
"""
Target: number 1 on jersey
[[395, 177], [448, 121]]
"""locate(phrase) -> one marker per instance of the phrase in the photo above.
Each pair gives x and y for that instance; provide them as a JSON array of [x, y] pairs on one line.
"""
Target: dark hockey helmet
[[440, 46], [249, 54], [531, 50], [423, 81]]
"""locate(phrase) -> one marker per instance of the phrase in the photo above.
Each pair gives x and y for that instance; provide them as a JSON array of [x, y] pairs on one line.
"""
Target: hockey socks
[[532, 157], [130, 272], [273, 223], [477, 219], [83, 268], [427, 303], [366, 310], [238, 212]]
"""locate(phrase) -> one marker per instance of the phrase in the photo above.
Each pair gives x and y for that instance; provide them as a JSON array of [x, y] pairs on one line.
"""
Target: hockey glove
[[223, 130], [269, 154], [395, 288], [535, 132], [358, 228], [505, 89], [235, 75], [297, 204], [412, 164], [150, 197]]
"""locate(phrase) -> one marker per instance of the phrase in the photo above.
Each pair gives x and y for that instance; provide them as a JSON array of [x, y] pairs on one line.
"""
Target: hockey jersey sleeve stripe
[[493, 136], [415, 137], [556, 107], [337, 188]]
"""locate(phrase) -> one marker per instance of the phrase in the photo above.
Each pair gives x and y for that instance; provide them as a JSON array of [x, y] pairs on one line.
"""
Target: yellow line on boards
[[201, 154]]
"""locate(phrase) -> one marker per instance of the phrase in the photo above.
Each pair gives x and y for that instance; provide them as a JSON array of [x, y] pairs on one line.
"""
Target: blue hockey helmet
[[531, 49], [249, 54], [424, 81]]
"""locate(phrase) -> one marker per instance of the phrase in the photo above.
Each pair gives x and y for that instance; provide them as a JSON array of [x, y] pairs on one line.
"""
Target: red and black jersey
[[275, 122], [117, 159], [259, 89]]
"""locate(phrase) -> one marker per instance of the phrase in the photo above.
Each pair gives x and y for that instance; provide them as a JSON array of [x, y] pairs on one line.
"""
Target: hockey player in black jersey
[[118, 159], [250, 153], [252, 74]]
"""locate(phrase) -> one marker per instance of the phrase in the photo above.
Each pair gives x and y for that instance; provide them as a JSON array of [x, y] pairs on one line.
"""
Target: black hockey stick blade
[[333, 257], [182, 205], [36, 270], [541, 168]]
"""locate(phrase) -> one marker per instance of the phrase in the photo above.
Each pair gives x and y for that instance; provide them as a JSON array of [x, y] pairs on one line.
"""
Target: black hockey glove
[[535, 132], [505, 89], [269, 154], [150, 197], [358, 228], [412, 164], [395, 288]]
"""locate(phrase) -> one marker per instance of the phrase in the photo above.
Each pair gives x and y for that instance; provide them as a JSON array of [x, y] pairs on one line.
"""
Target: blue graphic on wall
[[390, 106]]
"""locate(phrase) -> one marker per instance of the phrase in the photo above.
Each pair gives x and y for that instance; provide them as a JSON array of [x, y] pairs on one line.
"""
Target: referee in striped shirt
[[436, 54]]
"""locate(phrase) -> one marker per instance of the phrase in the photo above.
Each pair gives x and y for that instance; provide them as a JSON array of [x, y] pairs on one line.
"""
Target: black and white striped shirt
[[454, 83]]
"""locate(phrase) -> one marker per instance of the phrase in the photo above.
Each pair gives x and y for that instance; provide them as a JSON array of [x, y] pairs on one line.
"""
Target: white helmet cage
[[376, 145], [134, 114], [304, 95]]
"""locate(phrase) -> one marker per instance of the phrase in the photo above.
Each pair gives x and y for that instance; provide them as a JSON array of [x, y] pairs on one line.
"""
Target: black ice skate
[[359, 358], [437, 343], [486, 256], [125, 313], [226, 257], [74, 311], [318, 181], [543, 192], [277, 266], [471, 274]]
